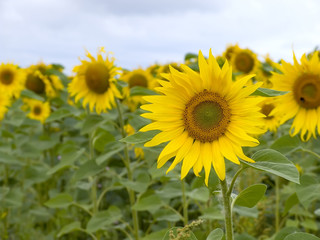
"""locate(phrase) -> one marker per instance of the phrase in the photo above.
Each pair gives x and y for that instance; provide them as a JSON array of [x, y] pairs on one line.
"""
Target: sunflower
[[95, 82], [302, 102], [11, 79], [244, 61], [271, 122], [41, 82], [4, 104], [38, 110], [137, 78], [230, 50], [204, 116]]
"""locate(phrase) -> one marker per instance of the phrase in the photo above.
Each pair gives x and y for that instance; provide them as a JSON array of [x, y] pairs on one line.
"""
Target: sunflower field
[[215, 148]]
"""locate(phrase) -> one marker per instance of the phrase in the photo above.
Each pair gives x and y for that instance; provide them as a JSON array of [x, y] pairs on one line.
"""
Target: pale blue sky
[[142, 32]]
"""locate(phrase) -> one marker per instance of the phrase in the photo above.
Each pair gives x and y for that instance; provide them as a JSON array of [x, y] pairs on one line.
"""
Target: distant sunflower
[[4, 104], [244, 61], [230, 50], [11, 79], [95, 83], [302, 102], [137, 78], [270, 122], [38, 110], [204, 116]]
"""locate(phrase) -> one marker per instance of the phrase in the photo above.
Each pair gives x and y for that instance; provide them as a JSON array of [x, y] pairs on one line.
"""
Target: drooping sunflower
[[244, 61], [4, 104], [302, 102], [38, 110], [137, 78], [270, 122], [204, 116], [11, 79], [95, 83]]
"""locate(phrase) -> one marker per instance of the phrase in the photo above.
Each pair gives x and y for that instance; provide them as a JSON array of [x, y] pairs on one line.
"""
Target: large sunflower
[[302, 102], [95, 83], [38, 110], [11, 79], [204, 116]]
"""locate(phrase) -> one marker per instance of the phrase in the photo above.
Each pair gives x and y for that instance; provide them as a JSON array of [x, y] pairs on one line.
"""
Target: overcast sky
[[143, 32]]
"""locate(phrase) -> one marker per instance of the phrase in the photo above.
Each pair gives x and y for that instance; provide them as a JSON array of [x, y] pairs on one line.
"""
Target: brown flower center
[[37, 110], [138, 80], [206, 116], [97, 78], [266, 110], [306, 91], [6, 77], [244, 62], [35, 83]]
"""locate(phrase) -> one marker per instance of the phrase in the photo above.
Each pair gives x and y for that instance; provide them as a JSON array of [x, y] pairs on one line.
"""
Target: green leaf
[[13, 199], [286, 144], [90, 123], [308, 190], [167, 215], [90, 168], [190, 56], [246, 212], [3, 192], [216, 234], [140, 185], [62, 200], [141, 91], [111, 149], [58, 115], [69, 228], [30, 94], [9, 159], [301, 236], [199, 194], [274, 162], [316, 212], [213, 213], [175, 233], [148, 203], [103, 219], [266, 92], [101, 138], [250, 196], [285, 232], [140, 137], [290, 202], [158, 235], [67, 160]]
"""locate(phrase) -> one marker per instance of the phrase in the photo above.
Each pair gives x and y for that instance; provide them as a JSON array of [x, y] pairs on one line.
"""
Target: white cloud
[[143, 32]]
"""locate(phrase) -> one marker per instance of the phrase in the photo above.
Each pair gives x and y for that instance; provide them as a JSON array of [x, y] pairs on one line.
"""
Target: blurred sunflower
[[137, 78], [95, 82], [11, 79], [40, 81], [302, 102], [230, 50], [244, 61], [38, 110], [271, 122], [204, 116], [4, 104]]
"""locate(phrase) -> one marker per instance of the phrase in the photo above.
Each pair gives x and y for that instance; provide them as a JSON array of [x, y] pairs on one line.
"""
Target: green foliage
[[250, 196]]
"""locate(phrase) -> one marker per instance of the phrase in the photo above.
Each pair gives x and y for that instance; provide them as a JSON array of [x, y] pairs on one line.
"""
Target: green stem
[[310, 152], [227, 210], [130, 175], [184, 203], [277, 211], [234, 180]]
